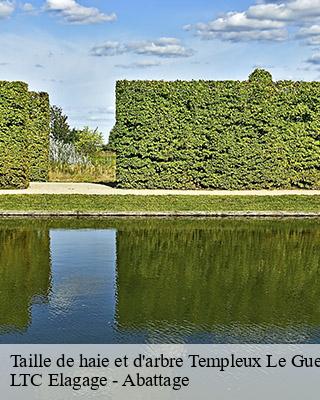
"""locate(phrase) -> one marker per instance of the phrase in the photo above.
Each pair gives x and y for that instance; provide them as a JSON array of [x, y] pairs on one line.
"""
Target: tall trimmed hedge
[[24, 135], [14, 100], [39, 130], [218, 134]]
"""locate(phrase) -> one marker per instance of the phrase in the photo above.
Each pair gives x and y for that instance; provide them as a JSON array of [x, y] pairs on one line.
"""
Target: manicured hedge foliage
[[39, 130], [14, 100], [218, 134], [24, 135]]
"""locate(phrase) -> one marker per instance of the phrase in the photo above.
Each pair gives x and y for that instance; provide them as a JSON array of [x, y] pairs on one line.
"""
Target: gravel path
[[97, 189]]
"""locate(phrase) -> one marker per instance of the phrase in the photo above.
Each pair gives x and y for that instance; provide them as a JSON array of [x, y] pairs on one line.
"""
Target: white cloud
[[250, 35], [236, 26], [313, 30], [30, 9], [27, 7], [140, 64], [239, 21], [6, 9], [74, 13], [310, 34], [304, 8], [314, 59], [263, 21], [291, 10], [271, 11], [163, 47], [108, 48]]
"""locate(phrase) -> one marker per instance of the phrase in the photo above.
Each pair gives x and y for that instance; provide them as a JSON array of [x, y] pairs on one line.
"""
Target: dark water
[[170, 280]]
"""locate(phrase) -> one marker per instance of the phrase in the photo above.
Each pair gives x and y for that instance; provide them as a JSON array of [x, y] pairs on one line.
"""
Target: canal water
[[160, 281]]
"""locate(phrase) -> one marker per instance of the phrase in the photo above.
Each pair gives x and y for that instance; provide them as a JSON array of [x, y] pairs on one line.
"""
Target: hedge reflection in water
[[177, 279], [24, 275], [221, 273]]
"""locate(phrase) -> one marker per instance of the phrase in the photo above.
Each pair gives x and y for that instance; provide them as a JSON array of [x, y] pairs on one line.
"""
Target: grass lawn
[[158, 203]]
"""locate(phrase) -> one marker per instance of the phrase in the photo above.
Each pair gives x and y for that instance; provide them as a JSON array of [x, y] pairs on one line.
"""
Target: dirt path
[[97, 189]]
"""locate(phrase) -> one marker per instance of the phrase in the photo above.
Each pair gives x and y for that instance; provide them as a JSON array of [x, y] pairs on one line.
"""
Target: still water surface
[[159, 281]]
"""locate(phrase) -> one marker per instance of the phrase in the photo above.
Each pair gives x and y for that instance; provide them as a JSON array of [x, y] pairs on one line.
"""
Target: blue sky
[[77, 49]]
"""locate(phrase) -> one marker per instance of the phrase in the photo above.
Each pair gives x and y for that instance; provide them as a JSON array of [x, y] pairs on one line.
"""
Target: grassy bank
[[158, 203]]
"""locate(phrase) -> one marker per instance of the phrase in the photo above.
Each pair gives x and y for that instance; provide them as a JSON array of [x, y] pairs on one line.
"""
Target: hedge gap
[[218, 134]]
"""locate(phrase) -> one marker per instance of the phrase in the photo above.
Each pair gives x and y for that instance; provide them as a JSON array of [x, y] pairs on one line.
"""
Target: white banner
[[177, 371]]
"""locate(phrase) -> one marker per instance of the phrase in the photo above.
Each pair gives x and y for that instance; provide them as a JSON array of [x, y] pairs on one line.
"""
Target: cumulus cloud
[[163, 47], [6, 8], [239, 21], [304, 8], [270, 11], [238, 26], [291, 10], [310, 34], [74, 13], [312, 30], [265, 20]]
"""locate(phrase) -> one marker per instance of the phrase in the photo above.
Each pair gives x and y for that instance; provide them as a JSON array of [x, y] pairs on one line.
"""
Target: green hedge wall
[[39, 130], [14, 100], [24, 135], [218, 134]]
